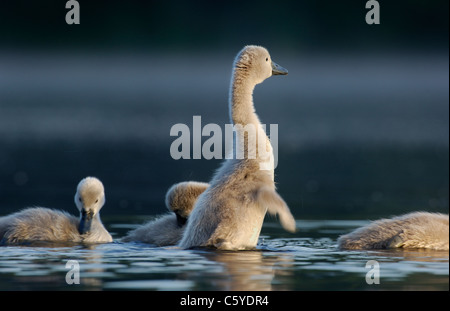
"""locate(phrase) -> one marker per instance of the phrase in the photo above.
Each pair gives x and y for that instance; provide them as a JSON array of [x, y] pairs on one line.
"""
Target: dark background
[[318, 26], [363, 114]]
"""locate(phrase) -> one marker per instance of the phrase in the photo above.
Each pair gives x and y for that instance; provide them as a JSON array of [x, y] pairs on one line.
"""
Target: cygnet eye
[[267, 59], [96, 201], [79, 199]]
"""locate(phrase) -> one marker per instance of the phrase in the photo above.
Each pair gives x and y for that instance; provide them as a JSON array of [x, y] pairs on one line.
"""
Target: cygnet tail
[[276, 206]]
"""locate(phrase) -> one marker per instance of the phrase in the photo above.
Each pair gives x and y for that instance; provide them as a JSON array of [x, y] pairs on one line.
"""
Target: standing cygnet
[[168, 229], [230, 213], [44, 224], [413, 230]]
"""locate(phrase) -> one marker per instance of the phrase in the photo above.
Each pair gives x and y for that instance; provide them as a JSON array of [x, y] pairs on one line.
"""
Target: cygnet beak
[[278, 70], [85, 221]]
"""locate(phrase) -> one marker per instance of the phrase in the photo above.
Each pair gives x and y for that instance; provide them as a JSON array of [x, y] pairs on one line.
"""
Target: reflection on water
[[247, 270], [308, 260]]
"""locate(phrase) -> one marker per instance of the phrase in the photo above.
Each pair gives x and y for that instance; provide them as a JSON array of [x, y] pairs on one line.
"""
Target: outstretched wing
[[276, 206]]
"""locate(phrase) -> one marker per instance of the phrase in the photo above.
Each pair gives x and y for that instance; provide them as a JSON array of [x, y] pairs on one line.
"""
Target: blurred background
[[363, 116]]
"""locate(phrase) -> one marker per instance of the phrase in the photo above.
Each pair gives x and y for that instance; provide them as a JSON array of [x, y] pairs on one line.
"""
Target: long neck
[[242, 110], [251, 141]]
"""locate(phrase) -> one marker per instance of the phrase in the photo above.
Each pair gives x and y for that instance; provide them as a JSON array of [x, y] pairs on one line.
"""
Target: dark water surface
[[308, 260], [346, 181]]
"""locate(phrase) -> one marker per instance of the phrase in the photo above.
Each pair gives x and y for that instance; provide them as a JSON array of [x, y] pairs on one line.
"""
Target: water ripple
[[308, 260]]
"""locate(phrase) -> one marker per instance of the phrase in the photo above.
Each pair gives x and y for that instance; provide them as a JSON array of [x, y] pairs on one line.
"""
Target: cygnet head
[[255, 63], [89, 199]]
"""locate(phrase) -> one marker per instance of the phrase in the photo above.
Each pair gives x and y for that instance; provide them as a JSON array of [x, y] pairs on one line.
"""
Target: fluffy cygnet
[[229, 213], [45, 224], [167, 229], [413, 230]]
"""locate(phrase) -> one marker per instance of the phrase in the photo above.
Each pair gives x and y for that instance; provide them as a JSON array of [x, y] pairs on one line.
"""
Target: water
[[307, 260]]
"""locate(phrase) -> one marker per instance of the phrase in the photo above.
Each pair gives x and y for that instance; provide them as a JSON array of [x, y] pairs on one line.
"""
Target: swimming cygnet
[[45, 224], [229, 214], [413, 230], [168, 229]]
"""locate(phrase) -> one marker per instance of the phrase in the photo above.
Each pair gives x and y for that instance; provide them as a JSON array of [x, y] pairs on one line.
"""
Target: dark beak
[[85, 221], [181, 221], [278, 70]]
